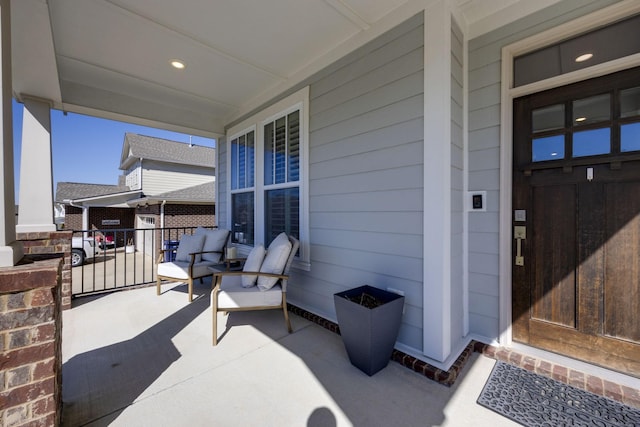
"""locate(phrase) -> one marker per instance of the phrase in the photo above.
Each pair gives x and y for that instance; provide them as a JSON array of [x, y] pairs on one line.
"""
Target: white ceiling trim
[[346, 11], [506, 15]]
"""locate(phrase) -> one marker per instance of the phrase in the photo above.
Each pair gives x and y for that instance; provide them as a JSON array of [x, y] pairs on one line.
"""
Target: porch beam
[[10, 250], [36, 172]]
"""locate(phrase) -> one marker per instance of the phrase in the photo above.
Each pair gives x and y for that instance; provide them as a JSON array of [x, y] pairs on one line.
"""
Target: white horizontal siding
[[365, 177], [158, 177]]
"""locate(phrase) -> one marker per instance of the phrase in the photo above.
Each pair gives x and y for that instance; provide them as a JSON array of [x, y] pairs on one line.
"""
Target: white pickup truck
[[83, 249]]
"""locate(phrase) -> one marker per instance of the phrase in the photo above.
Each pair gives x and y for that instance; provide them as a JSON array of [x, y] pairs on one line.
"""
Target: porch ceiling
[[111, 58]]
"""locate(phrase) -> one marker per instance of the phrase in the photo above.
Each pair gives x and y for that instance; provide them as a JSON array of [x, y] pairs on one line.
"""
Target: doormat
[[533, 400]]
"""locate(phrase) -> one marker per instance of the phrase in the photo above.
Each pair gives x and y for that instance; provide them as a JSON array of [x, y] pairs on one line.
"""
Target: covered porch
[[132, 358], [402, 126]]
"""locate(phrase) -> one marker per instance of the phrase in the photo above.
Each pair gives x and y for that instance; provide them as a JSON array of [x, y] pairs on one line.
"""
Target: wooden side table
[[233, 264]]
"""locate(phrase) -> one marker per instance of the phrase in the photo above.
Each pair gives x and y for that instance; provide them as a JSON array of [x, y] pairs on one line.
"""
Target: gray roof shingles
[[147, 147], [78, 190], [203, 192]]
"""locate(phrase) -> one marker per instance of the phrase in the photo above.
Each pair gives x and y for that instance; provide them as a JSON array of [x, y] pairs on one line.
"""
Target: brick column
[[31, 344], [51, 244]]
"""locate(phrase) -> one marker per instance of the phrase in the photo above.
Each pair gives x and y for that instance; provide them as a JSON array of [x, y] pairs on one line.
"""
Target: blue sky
[[87, 149]]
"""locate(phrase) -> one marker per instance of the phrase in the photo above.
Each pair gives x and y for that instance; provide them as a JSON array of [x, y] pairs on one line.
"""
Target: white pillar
[[10, 250], [36, 182], [85, 220], [437, 182]]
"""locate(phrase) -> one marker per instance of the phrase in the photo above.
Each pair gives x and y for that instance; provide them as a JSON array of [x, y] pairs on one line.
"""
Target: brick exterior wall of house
[[189, 215], [175, 216], [30, 340], [72, 218], [179, 216], [126, 216]]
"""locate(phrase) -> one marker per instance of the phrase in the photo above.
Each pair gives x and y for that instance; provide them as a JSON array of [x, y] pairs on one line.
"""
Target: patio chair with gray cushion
[[194, 255], [261, 285]]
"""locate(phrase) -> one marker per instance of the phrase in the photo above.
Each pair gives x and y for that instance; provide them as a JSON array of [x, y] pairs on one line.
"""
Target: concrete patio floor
[[132, 358]]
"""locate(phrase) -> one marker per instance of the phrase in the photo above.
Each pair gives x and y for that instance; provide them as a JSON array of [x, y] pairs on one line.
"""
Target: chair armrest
[[218, 275], [210, 252], [249, 273]]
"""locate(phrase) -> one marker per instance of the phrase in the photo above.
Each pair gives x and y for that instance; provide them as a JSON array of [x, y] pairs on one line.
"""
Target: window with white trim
[[268, 176], [242, 148], [282, 176]]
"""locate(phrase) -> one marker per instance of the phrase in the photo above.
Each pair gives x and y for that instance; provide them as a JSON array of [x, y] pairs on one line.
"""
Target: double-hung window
[[282, 176], [267, 158], [242, 148]]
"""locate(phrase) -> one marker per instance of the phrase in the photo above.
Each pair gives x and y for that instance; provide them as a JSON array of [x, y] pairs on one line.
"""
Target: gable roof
[[137, 146], [202, 194], [79, 190]]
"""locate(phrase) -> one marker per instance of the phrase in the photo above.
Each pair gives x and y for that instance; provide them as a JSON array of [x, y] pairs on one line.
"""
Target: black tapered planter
[[369, 331]]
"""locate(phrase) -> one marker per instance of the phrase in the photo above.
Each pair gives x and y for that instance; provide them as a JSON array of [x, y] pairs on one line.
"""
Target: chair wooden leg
[[158, 285], [190, 286], [214, 315], [286, 313]]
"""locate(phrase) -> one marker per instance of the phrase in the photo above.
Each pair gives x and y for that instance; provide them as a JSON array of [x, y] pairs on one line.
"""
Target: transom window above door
[[585, 122], [614, 41]]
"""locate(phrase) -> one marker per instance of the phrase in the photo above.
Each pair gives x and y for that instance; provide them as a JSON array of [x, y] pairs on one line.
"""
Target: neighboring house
[[95, 206], [165, 184], [457, 151], [156, 165], [177, 181]]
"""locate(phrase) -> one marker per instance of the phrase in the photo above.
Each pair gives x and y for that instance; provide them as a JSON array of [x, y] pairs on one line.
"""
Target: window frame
[[244, 190], [296, 101]]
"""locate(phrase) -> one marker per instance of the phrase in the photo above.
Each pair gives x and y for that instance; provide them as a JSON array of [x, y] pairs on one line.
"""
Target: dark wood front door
[[576, 198]]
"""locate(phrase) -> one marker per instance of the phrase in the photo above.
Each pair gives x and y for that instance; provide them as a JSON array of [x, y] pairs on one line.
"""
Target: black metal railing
[[126, 257]]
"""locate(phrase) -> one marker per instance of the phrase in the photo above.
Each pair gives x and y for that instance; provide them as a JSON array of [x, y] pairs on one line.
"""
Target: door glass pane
[[592, 142], [549, 148], [630, 102], [592, 110], [242, 215], [630, 137], [548, 118]]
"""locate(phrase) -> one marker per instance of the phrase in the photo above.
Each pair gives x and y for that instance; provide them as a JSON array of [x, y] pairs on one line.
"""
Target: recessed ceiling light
[[585, 57], [177, 64], [581, 119]]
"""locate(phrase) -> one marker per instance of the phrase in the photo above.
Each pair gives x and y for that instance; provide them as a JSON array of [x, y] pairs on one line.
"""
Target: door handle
[[520, 234]]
